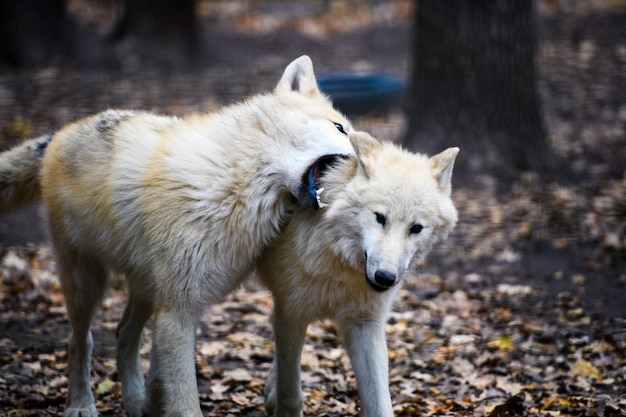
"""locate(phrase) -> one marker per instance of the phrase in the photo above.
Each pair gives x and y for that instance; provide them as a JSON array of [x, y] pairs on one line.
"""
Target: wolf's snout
[[383, 280]]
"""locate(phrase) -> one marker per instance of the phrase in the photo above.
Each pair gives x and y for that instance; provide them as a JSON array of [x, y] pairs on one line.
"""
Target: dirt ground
[[521, 312]]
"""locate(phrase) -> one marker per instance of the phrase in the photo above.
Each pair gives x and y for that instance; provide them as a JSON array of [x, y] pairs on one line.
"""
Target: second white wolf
[[385, 209]]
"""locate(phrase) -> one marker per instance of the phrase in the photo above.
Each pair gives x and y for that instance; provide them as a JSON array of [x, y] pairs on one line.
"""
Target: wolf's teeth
[[318, 194]]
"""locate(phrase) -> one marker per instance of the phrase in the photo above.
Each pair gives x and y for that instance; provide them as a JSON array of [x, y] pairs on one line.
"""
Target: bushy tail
[[19, 173]]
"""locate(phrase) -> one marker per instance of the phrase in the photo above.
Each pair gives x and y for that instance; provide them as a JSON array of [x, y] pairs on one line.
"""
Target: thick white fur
[[318, 268], [183, 207]]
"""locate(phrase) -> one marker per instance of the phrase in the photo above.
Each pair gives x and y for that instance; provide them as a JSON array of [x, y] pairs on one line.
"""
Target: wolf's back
[[19, 173]]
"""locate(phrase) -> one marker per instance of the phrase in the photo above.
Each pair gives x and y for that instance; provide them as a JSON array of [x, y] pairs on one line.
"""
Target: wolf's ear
[[442, 165], [299, 77], [364, 146]]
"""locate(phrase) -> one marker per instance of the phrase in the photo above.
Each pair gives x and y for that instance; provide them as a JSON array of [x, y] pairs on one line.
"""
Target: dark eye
[[380, 218], [340, 128], [416, 228]]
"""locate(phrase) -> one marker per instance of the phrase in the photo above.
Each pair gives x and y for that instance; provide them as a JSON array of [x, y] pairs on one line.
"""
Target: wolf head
[[313, 132], [396, 206]]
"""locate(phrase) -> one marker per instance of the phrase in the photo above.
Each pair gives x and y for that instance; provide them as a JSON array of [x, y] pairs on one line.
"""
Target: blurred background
[[534, 94]]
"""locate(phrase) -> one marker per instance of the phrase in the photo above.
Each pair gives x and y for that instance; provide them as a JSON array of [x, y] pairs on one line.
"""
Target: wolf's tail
[[19, 173]]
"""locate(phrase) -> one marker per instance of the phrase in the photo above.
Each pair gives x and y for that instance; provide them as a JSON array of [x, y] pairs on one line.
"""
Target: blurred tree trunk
[[33, 31], [473, 83], [160, 21]]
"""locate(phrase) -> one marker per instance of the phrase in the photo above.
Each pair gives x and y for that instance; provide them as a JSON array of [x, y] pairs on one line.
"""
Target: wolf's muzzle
[[383, 280]]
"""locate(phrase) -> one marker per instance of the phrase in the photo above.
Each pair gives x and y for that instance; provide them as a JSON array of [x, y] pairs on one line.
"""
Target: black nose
[[385, 279]]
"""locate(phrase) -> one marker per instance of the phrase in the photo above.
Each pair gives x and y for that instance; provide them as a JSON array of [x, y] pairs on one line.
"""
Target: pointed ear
[[299, 77], [442, 165], [364, 146]]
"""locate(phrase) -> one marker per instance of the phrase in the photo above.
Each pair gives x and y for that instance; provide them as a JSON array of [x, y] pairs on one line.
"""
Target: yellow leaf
[[105, 386], [501, 343], [585, 369]]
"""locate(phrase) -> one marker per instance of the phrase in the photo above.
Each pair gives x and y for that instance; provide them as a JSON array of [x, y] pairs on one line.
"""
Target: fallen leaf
[[104, 387], [514, 406], [585, 369]]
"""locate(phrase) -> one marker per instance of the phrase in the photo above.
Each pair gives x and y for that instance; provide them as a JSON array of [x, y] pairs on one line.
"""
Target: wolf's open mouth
[[310, 191]]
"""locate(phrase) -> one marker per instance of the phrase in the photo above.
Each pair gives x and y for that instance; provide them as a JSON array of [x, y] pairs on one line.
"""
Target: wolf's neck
[[335, 179]]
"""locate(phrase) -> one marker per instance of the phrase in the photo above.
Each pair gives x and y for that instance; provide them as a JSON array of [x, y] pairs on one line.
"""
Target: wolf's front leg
[[80, 400], [284, 396], [172, 386], [367, 348]]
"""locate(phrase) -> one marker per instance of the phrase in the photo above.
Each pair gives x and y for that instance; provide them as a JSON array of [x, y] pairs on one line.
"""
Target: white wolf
[[183, 207], [385, 208]]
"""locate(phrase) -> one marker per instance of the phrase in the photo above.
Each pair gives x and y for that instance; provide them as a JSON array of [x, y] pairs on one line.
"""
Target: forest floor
[[522, 311]]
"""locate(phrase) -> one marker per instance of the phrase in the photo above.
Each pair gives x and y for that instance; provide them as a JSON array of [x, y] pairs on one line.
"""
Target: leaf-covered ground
[[521, 312], [467, 349]]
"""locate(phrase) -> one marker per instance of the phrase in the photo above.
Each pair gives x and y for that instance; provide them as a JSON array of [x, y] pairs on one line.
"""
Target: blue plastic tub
[[362, 93]]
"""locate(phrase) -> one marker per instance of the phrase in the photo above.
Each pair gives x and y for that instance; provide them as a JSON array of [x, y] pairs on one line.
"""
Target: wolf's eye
[[340, 128], [415, 229], [380, 218]]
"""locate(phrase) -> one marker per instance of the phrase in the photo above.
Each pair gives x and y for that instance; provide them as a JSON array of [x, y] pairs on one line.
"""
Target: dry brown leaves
[[471, 351]]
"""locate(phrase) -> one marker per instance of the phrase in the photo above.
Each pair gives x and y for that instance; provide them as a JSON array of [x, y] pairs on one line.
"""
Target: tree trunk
[[170, 21], [34, 31], [473, 83]]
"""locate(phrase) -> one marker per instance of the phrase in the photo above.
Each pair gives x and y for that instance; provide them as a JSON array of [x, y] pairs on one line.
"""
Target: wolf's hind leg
[[136, 314], [83, 280], [172, 387]]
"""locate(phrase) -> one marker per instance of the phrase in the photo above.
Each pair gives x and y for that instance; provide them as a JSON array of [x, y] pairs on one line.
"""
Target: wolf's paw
[[270, 402], [134, 409], [89, 411], [134, 402], [291, 408], [270, 392]]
